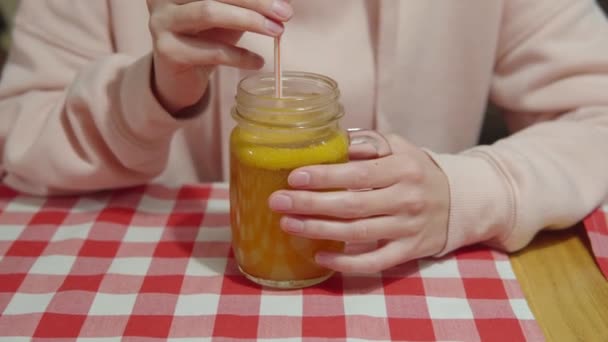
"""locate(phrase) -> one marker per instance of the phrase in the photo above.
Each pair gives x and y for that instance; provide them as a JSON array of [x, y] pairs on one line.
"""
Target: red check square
[[174, 249], [240, 285], [59, 325], [236, 326], [194, 192], [27, 248], [499, 330], [81, 283], [148, 326], [49, 217], [404, 286], [100, 249], [484, 288], [116, 215], [475, 252], [10, 282], [326, 327], [177, 220], [408, 329], [162, 284]]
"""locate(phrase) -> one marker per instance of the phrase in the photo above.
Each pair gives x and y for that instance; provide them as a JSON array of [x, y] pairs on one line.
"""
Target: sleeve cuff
[[146, 121], [481, 201]]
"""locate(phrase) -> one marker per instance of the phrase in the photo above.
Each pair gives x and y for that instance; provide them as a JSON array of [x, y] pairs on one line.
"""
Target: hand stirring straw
[[278, 79]]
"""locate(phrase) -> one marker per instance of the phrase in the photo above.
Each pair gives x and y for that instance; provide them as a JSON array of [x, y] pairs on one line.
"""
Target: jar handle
[[367, 144]]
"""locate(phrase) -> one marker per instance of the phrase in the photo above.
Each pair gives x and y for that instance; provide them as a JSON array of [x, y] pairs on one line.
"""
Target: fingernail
[[282, 9], [299, 178], [280, 202], [293, 225], [273, 27]]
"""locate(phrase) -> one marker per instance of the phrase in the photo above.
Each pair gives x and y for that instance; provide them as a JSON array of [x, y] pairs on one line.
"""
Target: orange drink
[[272, 138]]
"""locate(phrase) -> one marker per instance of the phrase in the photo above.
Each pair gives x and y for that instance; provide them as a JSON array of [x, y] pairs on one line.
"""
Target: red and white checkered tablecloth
[[154, 264], [596, 226]]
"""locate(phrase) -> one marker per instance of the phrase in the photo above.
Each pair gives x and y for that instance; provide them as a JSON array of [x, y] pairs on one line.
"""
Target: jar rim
[[310, 99], [333, 85]]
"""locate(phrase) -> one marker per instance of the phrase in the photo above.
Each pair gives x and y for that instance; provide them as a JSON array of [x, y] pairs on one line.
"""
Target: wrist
[[182, 95], [481, 201]]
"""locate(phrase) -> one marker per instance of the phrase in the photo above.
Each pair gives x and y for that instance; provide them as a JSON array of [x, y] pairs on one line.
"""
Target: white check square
[[73, 231], [214, 234], [113, 304], [154, 205], [25, 205], [288, 305], [447, 268], [90, 205], [53, 264], [217, 206], [449, 308], [521, 309], [27, 303], [143, 234], [197, 304], [130, 266], [206, 266], [10, 233], [505, 270], [366, 305]]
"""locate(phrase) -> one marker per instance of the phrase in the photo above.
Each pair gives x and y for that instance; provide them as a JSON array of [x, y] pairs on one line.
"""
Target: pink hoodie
[[78, 114]]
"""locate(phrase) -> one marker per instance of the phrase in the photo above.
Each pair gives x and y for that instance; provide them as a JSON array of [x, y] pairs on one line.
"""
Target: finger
[[187, 51], [362, 151], [391, 254], [279, 10], [225, 36], [362, 230], [355, 175], [360, 247], [339, 204], [199, 16]]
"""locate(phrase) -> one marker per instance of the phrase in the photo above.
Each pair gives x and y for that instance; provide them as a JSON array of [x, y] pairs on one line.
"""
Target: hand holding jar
[[395, 209], [191, 37]]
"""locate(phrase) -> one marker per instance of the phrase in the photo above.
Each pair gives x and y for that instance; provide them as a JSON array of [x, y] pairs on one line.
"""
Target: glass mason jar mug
[[274, 136]]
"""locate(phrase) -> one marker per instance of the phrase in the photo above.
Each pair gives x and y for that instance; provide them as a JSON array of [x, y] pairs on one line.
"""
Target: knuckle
[[414, 172], [165, 46], [217, 56], [372, 265], [415, 203], [304, 202], [392, 138], [254, 19], [353, 207], [205, 9], [360, 232], [155, 23], [362, 176]]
